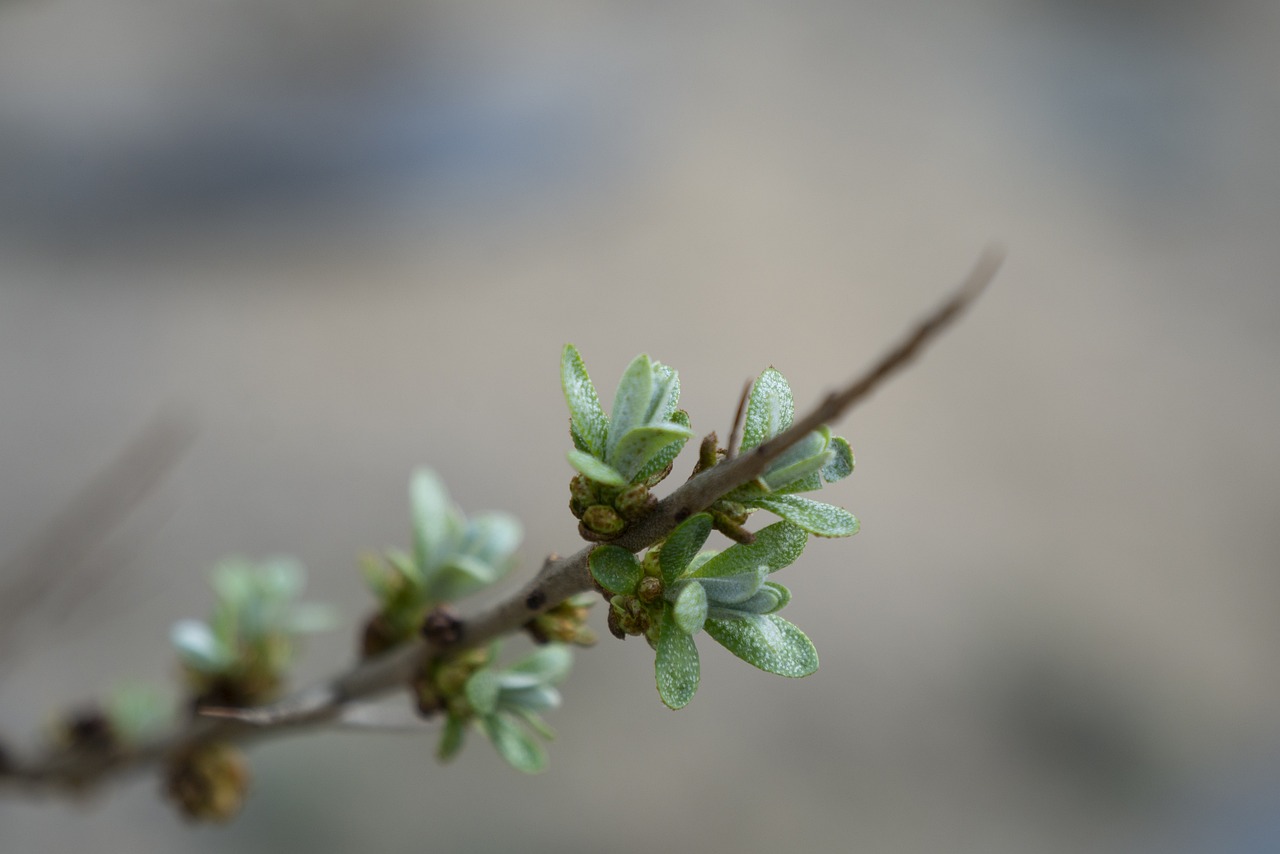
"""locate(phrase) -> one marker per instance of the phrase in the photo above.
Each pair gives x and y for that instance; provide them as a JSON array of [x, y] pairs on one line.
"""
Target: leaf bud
[[603, 521], [208, 782]]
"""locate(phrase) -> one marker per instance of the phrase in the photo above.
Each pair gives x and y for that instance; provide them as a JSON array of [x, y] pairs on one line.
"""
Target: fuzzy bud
[[208, 782]]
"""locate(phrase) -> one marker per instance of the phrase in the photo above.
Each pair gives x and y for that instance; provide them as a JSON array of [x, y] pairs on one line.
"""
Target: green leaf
[[630, 402], [311, 617], [451, 738], [520, 749], [588, 423], [732, 589], [641, 444], [530, 698], [676, 664], [198, 647], [775, 546], [822, 520], [482, 691], [659, 461], [594, 469], [666, 394], [802, 459], [460, 576], [493, 539], [841, 465], [547, 665], [771, 597], [535, 722], [615, 569], [689, 611], [767, 642], [682, 545], [431, 524], [770, 409]]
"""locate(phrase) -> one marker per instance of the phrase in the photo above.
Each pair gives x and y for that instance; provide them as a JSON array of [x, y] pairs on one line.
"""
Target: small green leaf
[[530, 698], [588, 423], [732, 589], [198, 647], [493, 539], [431, 524], [451, 738], [594, 469], [804, 458], [460, 576], [841, 465], [689, 611], [641, 444], [535, 722], [666, 394], [615, 569], [630, 402], [482, 691], [770, 409], [520, 749], [682, 545], [776, 546], [822, 520], [771, 597], [767, 642], [676, 664], [311, 617], [659, 461], [546, 665]]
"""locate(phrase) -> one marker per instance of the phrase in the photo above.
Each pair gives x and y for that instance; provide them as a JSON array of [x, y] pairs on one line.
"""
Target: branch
[[558, 580]]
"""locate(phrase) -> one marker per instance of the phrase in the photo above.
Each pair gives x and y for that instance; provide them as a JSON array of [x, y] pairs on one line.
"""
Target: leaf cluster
[[241, 654]]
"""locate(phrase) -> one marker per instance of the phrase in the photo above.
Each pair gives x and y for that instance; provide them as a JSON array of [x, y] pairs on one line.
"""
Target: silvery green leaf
[[770, 409], [588, 423], [699, 559], [630, 402], [802, 459], [517, 747], [378, 577], [682, 545], [451, 738], [689, 610], [432, 526], [311, 617], [771, 597], [593, 469], [768, 642], [281, 578], [640, 445], [531, 698], [841, 465], [809, 483], [460, 576], [482, 691], [547, 664], [138, 712], [198, 647], [406, 566], [822, 520], [732, 589], [535, 722], [775, 546], [676, 664], [233, 581], [659, 461], [615, 569], [666, 394], [493, 539]]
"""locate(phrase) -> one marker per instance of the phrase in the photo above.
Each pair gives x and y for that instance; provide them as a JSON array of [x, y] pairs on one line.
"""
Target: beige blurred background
[[344, 239]]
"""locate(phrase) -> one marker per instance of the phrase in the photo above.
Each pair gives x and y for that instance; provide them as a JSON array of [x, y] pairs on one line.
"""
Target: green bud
[[603, 521], [635, 502], [581, 496], [208, 782], [649, 590]]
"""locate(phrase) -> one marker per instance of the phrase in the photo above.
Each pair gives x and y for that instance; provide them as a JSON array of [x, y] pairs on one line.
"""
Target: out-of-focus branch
[[559, 579]]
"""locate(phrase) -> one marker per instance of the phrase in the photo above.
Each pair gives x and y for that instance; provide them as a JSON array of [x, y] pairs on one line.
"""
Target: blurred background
[[337, 240]]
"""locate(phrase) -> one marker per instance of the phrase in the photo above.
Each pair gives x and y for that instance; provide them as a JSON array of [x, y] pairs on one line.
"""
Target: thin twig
[[558, 579]]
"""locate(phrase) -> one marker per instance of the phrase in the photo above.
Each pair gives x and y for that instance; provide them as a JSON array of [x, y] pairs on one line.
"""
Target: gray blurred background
[[342, 239]]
